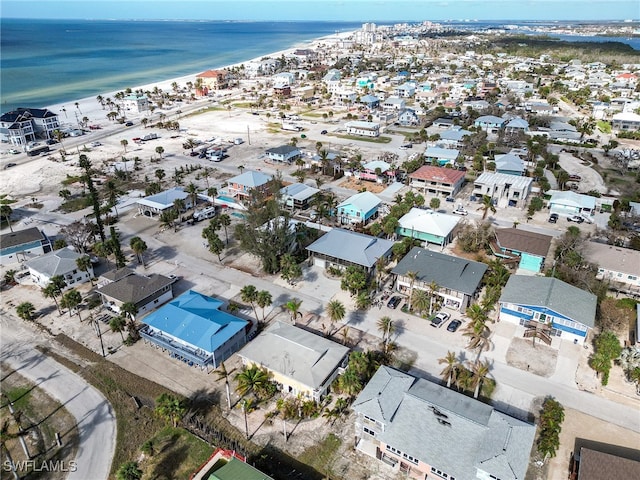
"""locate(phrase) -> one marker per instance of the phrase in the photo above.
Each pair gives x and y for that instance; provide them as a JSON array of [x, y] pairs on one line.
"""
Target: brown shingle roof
[[523, 241], [438, 174], [603, 466], [21, 237]]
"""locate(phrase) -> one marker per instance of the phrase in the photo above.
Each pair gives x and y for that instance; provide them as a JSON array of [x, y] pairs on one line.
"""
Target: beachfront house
[[135, 103], [526, 249], [625, 121], [22, 245], [193, 329], [153, 206], [62, 262], [455, 280], [339, 248], [547, 309], [437, 181], [505, 190], [121, 286], [241, 186], [301, 363], [510, 164], [359, 208], [212, 80], [24, 125], [428, 226], [363, 129], [424, 430]]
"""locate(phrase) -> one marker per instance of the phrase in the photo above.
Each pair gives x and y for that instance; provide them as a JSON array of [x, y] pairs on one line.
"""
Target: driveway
[[94, 417]]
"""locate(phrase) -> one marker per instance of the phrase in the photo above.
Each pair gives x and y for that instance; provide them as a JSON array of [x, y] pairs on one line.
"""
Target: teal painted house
[[428, 226], [359, 208], [527, 249], [22, 245]]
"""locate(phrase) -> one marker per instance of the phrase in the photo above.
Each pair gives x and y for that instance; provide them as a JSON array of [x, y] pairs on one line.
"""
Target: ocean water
[[45, 62]]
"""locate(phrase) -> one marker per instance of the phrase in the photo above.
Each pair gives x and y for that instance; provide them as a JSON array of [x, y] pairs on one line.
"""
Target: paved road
[[95, 419]]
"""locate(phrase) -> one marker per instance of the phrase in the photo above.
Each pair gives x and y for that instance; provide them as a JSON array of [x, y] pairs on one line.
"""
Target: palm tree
[[411, 275], [26, 310], [190, 144], [250, 379], [124, 143], [192, 190], [170, 408], [249, 294], [129, 309], [480, 373], [223, 374], [450, 370], [5, 212], [118, 324], [487, 204], [225, 220], [363, 300], [420, 300], [54, 289], [138, 246], [84, 264], [293, 306], [387, 328], [112, 194], [336, 311], [160, 174], [72, 299], [264, 300], [129, 471]]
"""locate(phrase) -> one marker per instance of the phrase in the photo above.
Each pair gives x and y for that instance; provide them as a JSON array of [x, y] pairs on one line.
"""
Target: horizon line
[[384, 22]]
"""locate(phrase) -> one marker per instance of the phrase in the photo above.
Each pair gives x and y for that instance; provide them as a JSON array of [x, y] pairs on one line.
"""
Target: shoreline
[[88, 105]]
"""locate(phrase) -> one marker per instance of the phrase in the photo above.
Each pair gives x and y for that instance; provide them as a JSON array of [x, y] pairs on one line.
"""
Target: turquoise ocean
[[45, 62]]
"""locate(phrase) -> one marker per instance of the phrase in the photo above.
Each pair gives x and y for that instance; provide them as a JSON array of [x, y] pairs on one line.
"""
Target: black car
[[553, 218], [9, 165], [323, 132], [394, 302], [51, 141], [453, 325], [129, 124]]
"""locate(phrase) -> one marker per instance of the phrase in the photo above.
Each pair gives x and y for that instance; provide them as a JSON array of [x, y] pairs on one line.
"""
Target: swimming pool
[[226, 199], [239, 215]]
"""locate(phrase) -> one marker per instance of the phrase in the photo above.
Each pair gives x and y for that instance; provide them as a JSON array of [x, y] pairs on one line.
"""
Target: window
[[632, 277], [369, 431]]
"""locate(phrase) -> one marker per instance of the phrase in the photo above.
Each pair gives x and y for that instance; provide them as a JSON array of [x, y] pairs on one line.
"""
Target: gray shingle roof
[[21, 237], [250, 179], [58, 262], [443, 428], [554, 294], [446, 271], [351, 247], [298, 191], [295, 353], [135, 288]]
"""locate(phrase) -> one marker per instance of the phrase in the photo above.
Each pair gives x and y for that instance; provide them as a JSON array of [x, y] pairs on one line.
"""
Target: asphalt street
[[94, 416]]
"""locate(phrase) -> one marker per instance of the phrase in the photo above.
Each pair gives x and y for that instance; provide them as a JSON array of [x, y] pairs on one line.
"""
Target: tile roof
[[446, 271], [523, 241], [554, 294], [195, 319], [434, 424], [352, 247], [295, 353], [438, 174]]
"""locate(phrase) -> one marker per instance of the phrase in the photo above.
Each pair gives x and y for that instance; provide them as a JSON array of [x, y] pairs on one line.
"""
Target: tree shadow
[[202, 401]]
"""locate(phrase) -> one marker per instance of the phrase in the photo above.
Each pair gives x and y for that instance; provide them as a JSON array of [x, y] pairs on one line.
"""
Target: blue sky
[[380, 11]]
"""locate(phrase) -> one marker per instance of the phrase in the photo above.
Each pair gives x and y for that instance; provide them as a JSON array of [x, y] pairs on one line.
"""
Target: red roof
[[627, 75], [438, 174], [212, 73]]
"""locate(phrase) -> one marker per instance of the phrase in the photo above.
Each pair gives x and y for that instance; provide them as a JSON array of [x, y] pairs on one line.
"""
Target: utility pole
[[98, 333], [248, 135]]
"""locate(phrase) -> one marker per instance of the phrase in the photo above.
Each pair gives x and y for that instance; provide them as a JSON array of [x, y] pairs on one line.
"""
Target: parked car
[[459, 210], [129, 124], [51, 141], [575, 218], [453, 325], [440, 319], [9, 165], [394, 302], [575, 178], [323, 132], [96, 144], [13, 151], [553, 218]]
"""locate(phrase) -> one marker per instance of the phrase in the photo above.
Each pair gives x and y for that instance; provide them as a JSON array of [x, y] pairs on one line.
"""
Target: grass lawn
[[321, 456], [366, 139], [177, 454]]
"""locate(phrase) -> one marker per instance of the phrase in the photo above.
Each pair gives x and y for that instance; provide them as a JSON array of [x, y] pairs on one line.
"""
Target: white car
[[96, 144], [440, 319], [460, 211]]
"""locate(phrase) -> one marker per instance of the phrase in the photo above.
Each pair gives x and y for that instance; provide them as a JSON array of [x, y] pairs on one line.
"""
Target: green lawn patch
[[321, 456], [75, 203], [366, 139], [20, 398], [177, 454], [604, 126]]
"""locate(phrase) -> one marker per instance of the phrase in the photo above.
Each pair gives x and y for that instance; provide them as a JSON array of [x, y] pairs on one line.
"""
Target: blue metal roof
[[195, 319]]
